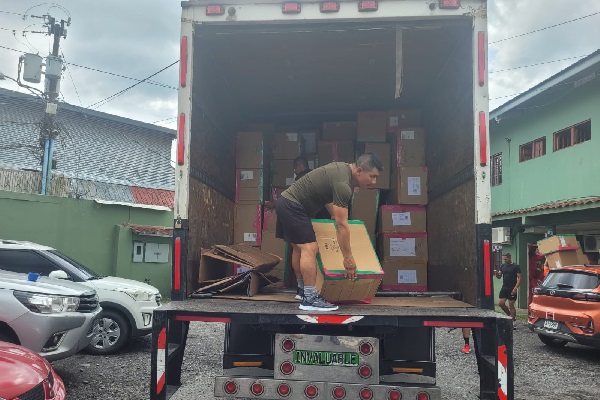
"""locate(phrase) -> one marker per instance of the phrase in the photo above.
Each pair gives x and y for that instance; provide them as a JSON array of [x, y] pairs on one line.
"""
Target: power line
[[110, 98], [9, 48], [123, 76], [163, 120], [71, 76], [548, 27], [540, 63], [14, 13]]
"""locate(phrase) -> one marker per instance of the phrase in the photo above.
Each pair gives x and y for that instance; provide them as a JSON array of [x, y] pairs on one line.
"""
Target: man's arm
[[340, 215], [518, 283]]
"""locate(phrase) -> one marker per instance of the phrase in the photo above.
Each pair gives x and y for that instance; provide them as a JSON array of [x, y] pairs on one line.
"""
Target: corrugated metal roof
[[153, 196], [547, 206], [150, 230], [92, 146]]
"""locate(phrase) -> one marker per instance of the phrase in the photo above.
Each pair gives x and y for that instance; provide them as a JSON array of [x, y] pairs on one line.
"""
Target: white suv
[[127, 304]]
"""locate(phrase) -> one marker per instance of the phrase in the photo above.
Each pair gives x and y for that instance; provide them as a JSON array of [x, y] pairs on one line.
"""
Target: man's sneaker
[[317, 304], [466, 349], [299, 294]]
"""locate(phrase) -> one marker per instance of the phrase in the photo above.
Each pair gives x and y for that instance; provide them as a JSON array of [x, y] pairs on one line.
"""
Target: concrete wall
[[88, 232]]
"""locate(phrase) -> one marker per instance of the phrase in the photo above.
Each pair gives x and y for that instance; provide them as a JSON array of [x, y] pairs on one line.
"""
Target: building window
[[496, 166], [534, 149], [573, 135]]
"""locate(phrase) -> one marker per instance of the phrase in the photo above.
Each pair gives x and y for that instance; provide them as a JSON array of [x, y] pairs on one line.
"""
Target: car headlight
[[47, 303], [138, 294]]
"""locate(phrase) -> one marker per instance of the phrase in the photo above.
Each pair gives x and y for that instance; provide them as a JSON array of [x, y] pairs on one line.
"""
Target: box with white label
[[282, 173], [403, 118], [404, 276], [402, 218], [249, 186], [409, 187], [287, 145], [247, 227], [408, 147], [403, 246]]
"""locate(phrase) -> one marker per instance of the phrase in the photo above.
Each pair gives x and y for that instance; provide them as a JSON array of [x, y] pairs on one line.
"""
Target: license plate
[[325, 358], [551, 324]]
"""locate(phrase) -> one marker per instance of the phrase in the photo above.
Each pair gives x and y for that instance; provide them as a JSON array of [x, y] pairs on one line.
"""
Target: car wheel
[[110, 332], [552, 342]]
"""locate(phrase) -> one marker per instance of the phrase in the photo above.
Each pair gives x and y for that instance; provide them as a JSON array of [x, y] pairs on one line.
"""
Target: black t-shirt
[[509, 275]]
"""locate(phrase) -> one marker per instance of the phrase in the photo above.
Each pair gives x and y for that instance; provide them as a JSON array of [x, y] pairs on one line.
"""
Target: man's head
[[300, 165], [367, 169], [506, 259]]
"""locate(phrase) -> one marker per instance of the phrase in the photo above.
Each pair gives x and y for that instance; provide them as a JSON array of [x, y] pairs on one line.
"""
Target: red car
[[26, 375], [566, 307]]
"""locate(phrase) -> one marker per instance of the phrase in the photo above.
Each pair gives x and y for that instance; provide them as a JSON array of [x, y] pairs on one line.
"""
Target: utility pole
[[49, 127]]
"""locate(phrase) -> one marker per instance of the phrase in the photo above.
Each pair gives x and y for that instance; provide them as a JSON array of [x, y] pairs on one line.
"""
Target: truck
[[285, 62]]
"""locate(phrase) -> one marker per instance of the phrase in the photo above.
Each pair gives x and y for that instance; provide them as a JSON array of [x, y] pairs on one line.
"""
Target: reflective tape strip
[[502, 374], [161, 358], [330, 319]]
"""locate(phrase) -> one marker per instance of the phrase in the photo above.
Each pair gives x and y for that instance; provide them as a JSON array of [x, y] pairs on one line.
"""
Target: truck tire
[[552, 342], [111, 332]]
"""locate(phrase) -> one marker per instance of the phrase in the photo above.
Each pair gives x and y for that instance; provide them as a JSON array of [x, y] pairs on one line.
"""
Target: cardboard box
[[382, 151], [249, 150], [410, 186], [331, 282], [281, 249], [408, 147], [329, 152], [287, 145], [371, 126], [217, 263], [403, 276], [404, 246], [403, 118], [282, 173], [247, 227], [339, 131], [402, 218], [565, 258], [556, 243], [264, 127], [249, 186], [364, 208]]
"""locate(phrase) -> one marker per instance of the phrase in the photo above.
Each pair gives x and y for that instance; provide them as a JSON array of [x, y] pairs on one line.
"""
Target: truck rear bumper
[[324, 390]]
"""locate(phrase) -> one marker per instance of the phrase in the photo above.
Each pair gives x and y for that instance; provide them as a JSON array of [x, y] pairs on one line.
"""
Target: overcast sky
[[137, 38]]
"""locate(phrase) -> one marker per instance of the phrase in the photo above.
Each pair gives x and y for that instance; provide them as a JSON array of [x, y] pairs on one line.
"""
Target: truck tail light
[[394, 395], [365, 348], [183, 61], [338, 393], [284, 390], [370, 5], [329, 7], [365, 371], [181, 140], [230, 387], [311, 391], [423, 396], [257, 389], [452, 4], [291, 8], [286, 368], [215, 10], [366, 394], [288, 345]]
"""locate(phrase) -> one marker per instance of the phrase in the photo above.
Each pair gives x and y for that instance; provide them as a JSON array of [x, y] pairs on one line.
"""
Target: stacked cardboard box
[[562, 251], [364, 207]]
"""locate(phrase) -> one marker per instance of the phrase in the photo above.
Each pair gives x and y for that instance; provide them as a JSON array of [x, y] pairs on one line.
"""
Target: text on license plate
[[326, 358], [551, 324]]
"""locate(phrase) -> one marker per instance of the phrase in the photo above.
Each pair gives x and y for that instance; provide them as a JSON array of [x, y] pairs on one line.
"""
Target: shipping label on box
[[331, 280], [405, 246], [410, 186], [401, 218], [404, 276], [286, 145], [371, 126], [249, 186]]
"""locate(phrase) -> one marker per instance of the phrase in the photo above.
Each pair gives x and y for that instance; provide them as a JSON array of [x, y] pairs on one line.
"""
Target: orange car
[[566, 307]]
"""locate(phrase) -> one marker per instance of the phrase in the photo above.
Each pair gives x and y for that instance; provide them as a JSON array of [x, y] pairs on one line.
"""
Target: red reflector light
[[482, 139], [366, 394], [291, 8], [181, 140], [286, 368], [338, 393], [423, 396], [257, 389], [368, 5], [330, 6], [394, 395], [288, 345], [311, 391], [215, 10], [284, 389], [230, 387], [177, 266], [365, 348], [365, 371], [183, 61], [449, 3]]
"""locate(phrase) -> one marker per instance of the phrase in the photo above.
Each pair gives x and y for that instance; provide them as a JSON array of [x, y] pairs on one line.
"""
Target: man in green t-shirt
[[328, 186]]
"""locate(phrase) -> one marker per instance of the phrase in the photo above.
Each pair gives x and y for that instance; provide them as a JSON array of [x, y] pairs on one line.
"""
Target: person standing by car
[[511, 279]]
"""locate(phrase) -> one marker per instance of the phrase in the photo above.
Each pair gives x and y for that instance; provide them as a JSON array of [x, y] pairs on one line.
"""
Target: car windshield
[[571, 280], [82, 270]]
